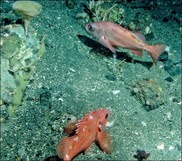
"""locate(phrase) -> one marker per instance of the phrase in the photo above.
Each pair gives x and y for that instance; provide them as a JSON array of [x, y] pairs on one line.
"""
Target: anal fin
[[139, 53]]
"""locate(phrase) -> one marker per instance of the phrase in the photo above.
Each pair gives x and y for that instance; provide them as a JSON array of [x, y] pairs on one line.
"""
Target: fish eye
[[90, 28], [106, 116]]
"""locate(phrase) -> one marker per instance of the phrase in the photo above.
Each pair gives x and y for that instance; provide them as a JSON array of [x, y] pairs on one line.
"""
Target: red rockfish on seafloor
[[112, 35], [83, 133]]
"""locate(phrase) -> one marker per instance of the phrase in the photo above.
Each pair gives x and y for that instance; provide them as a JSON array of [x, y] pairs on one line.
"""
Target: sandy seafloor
[[75, 80]]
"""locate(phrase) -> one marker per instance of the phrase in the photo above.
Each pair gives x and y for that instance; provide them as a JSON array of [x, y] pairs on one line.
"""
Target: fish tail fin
[[63, 148], [155, 51]]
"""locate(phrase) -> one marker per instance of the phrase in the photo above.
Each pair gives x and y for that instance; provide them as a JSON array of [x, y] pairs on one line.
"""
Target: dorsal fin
[[82, 123], [86, 122], [140, 36]]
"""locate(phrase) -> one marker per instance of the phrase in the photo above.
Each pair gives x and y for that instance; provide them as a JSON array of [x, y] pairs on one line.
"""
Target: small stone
[[160, 146], [169, 79], [147, 30], [167, 49], [109, 124], [54, 127], [148, 102], [116, 92], [135, 90], [171, 148], [168, 114], [72, 118], [144, 123], [110, 77]]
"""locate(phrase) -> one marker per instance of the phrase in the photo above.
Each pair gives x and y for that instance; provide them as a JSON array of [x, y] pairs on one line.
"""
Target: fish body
[[87, 130], [112, 35]]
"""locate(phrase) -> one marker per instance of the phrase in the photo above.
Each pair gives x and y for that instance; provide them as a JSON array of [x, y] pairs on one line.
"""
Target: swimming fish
[[112, 35], [87, 130]]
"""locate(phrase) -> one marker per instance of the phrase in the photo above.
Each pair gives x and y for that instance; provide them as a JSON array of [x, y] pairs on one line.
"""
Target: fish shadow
[[98, 48], [52, 158], [56, 158]]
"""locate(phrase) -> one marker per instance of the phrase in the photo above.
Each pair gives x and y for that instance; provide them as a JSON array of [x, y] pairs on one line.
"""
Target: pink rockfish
[[87, 130], [112, 35]]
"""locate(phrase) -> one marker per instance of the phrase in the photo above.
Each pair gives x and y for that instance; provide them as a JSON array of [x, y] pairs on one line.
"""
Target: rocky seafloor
[[77, 75]]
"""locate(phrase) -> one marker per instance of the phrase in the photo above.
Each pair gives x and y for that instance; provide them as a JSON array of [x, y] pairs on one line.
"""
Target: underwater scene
[[90, 80]]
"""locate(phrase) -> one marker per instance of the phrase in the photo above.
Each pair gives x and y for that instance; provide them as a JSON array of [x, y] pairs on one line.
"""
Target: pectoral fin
[[104, 142], [106, 43]]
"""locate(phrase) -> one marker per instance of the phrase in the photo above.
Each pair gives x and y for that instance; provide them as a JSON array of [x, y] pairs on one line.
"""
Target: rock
[[20, 54]]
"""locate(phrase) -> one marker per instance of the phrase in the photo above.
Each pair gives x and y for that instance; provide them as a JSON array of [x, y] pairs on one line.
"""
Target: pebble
[[144, 123], [171, 148], [109, 124], [160, 146], [116, 92]]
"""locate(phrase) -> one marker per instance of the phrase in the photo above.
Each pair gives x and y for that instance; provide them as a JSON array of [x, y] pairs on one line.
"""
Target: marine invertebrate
[[101, 11], [115, 67], [28, 10], [141, 155], [149, 92]]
